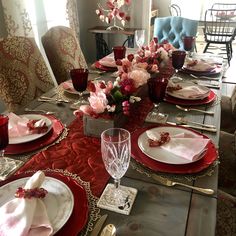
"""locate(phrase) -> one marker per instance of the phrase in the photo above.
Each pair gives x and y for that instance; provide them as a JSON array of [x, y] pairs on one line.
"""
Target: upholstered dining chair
[[23, 72], [63, 51], [174, 28], [228, 112], [226, 214]]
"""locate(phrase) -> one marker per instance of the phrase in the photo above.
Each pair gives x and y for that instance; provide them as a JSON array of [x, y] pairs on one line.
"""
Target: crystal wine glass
[[188, 44], [139, 37], [79, 79], [116, 150], [178, 58], [4, 141]]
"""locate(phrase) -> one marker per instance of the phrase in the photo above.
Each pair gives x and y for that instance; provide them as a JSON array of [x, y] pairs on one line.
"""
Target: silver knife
[[98, 226]]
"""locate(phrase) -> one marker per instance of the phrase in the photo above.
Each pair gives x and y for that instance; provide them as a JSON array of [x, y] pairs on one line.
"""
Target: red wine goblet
[[178, 58], [157, 89], [4, 141], [188, 44], [79, 79]]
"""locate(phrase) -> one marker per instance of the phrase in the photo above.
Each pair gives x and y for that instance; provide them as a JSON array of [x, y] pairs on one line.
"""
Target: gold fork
[[171, 183], [193, 109]]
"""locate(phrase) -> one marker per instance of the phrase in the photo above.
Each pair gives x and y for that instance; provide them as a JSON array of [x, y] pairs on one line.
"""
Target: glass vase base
[[126, 198], [8, 167]]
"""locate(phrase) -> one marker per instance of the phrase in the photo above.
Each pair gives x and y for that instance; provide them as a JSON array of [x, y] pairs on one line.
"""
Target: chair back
[[174, 10], [219, 26], [63, 51], [23, 72], [223, 6], [173, 29]]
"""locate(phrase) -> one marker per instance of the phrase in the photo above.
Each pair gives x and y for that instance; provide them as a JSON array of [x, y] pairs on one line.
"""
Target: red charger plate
[[211, 97], [79, 215], [191, 168], [104, 68], [55, 132], [215, 71]]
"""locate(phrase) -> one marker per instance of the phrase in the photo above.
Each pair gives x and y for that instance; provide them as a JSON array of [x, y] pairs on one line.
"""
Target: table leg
[[101, 46]]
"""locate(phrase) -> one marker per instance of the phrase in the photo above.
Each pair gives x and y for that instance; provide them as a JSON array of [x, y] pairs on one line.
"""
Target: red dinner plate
[[104, 68], [195, 167], [211, 97], [55, 132], [79, 215]]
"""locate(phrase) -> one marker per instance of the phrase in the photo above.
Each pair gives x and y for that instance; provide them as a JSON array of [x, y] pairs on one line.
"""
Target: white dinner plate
[[59, 201], [186, 84], [161, 155], [31, 137]]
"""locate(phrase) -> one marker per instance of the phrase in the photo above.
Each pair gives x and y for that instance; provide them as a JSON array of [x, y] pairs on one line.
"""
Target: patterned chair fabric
[[173, 28], [63, 51], [226, 214], [227, 166], [23, 72], [228, 113]]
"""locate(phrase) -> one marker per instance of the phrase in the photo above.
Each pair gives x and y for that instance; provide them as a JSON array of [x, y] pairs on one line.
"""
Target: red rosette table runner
[[80, 154]]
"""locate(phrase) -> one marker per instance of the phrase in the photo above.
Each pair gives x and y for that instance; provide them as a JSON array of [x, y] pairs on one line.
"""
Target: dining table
[[158, 209]]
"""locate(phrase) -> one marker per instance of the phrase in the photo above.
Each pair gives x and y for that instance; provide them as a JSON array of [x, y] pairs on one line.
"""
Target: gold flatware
[[54, 99], [171, 183], [193, 109], [185, 121], [109, 230], [203, 77], [98, 226], [208, 85], [194, 127], [41, 111]]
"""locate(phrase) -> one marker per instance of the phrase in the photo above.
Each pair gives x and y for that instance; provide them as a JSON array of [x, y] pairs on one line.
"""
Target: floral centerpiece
[[148, 60], [115, 10], [109, 100]]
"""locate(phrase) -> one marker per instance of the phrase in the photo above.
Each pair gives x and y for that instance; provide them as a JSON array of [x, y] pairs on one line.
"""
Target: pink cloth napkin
[[26, 217], [199, 65], [108, 61], [183, 145], [67, 85], [17, 126], [189, 90]]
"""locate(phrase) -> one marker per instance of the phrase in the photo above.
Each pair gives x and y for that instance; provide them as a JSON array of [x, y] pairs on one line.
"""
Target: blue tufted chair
[[173, 28]]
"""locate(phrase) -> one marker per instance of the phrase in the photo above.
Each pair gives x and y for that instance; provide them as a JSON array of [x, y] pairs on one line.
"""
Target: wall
[[89, 19]]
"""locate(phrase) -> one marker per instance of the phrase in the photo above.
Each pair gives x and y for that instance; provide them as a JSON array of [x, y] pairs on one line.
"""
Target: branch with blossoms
[[113, 11]]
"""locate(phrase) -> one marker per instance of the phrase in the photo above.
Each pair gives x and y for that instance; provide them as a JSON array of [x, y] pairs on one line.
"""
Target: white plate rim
[[162, 157], [31, 137], [66, 211], [186, 83]]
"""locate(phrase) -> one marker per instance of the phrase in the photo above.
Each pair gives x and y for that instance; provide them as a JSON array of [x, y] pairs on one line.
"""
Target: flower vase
[[95, 126], [114, 26]]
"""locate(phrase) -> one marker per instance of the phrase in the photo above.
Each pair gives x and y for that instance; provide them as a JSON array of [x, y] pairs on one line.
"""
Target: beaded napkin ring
[[29, 193]]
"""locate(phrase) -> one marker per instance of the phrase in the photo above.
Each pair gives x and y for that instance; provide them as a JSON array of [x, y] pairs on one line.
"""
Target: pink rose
[[140, 77], [98, 101]]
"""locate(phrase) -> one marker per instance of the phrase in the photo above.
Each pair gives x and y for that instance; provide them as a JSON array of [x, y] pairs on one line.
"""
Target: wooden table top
[[161, 210]]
